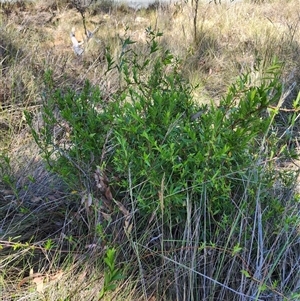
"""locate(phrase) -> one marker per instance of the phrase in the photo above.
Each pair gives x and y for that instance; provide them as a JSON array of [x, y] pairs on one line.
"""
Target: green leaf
[[245, 273], [236, 249]]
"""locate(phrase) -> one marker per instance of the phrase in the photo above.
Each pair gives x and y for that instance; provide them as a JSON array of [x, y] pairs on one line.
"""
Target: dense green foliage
[[192, 166], [160, 140]]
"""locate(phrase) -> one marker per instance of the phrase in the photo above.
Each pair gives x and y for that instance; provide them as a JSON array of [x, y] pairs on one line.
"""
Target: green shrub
[[203, 172], [160, 141]]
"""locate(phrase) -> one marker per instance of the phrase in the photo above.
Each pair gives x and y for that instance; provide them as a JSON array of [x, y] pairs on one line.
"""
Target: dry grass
[[231, 38]]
